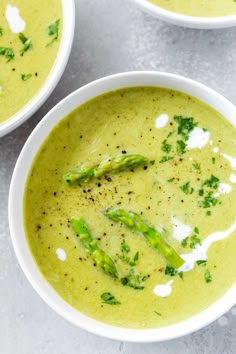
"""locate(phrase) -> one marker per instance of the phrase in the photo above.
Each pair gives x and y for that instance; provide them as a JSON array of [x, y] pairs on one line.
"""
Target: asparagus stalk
[[112, 165], [156, 240], [102, 260]]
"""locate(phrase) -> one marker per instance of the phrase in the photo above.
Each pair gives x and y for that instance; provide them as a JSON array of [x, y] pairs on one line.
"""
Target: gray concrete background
[[111, 36]]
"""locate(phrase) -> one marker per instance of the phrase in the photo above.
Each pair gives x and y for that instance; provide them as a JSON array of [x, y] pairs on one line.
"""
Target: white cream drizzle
[[163, 290], [232, 160], [224, 188], [198, 138], [61, 254], [180, 231], [161, 121], [232, 178], [215, 149], [200, 252], [15, 21]]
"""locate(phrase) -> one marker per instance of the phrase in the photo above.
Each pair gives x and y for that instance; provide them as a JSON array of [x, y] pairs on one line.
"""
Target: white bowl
[[58, 68], [21, 172], [187, 21]]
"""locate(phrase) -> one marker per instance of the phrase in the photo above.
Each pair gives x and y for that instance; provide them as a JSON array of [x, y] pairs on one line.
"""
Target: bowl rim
[[15, 210], [68, 13], [185, 20]]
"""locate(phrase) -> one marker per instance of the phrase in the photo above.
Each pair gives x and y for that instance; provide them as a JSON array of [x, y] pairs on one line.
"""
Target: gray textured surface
[[111, 36]]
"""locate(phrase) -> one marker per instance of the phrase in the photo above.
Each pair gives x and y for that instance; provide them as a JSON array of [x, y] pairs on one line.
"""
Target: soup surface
[[186, 191], [29, 41], [201, 8]]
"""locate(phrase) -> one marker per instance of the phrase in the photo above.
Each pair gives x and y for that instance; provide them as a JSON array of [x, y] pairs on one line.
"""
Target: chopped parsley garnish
[[1, 32], [136, 257], [171, 180], [208, 213], [201, 192], [53, 30], [197, 166], [7, 53], [123, 257], [152, 162], [180, 147], [109, 299], [186, 188], [26, 77], [124, 247], [201, 262], [171, 271], [196, 230], [184, 242], [166, 147], [213, 160], [208, 276], [134, 280], [194, 241], [165, 159], [212, 182], [208, 201], [27, 45], [185, 125], [158, 313]]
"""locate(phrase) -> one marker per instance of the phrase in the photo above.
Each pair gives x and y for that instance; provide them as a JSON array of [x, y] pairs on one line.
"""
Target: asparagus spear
[[111, 165], [156, 240], [102, 260]]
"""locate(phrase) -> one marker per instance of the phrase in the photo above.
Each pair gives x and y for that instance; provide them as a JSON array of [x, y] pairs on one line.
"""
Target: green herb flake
[[197, 166], [180, 147], [201, 262], [196, 230], [207, 276], [171, 271], [166, 147], [134, 280], [152, 162], [185, 125], [7, 53], [165, 159], [201, 192], [25, 77], [27, 45], [109, 299], [212, 182], [136, 257], [208, 201], [158, 313], [171, 180], [194, 241], [124, 247], [186, 188], [1, 32], [184, 242], [208, 213], [53, 30], [213, 160], [181, 275]]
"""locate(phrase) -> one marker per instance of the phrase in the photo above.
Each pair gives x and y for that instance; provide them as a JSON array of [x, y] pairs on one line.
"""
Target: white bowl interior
[[56, 72], [16, 204], [187, 21]]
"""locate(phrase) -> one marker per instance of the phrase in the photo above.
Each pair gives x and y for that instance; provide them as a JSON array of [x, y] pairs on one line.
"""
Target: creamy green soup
[[201, 8], [186, 191], [29, 41]]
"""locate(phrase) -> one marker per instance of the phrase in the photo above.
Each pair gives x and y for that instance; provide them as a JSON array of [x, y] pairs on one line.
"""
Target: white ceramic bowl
[[187, 21], [16, 204], [58, 68]]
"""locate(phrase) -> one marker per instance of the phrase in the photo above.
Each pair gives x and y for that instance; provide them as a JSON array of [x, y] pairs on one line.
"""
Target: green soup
[[201, 8], [29, 41], [186, 191]]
